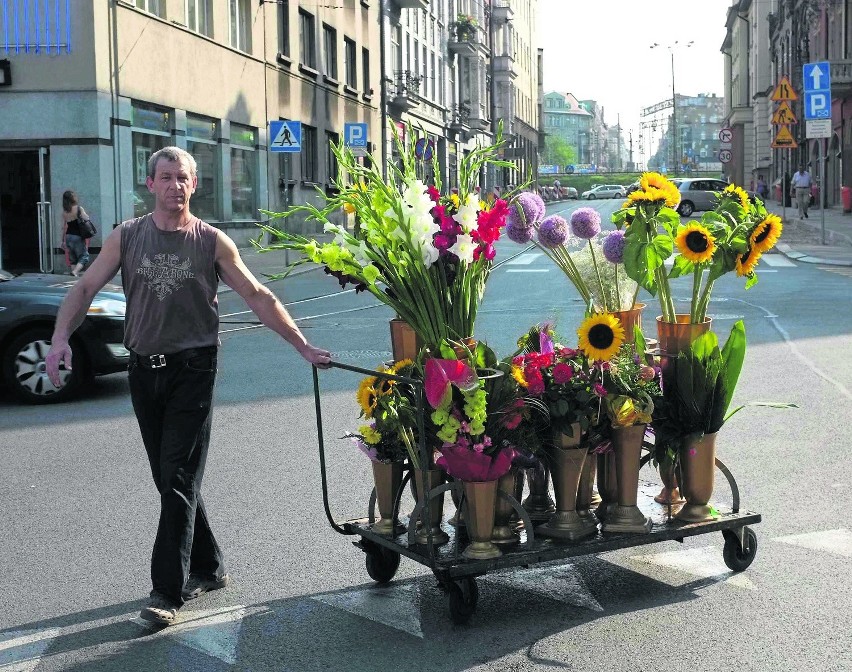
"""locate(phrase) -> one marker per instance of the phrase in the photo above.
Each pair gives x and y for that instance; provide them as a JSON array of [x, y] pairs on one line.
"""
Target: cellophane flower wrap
[[424, 250], [632, 385]]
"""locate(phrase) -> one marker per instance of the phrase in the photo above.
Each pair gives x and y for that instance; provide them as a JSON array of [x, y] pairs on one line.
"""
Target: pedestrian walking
[[73, 242], [170, 264], [801, 182], [762, 189]]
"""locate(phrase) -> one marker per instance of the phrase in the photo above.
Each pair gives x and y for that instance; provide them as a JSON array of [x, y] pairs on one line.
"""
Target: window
[[155, 7], [309, 154], [329, 51], [365, 60], [243, 172], [241, 24], [150, 130], [307, 40], [284, 27], [202, 143], [199, 16], [330, 158], [350, 62]]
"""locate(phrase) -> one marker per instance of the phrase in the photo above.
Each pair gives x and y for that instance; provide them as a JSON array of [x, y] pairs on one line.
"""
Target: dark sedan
[[28, 307]]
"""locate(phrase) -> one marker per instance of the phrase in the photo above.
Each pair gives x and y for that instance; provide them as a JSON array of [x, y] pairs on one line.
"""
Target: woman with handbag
[[73, 241]]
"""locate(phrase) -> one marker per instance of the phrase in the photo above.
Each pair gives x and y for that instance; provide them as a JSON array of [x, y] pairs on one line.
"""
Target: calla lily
[[442, 374]]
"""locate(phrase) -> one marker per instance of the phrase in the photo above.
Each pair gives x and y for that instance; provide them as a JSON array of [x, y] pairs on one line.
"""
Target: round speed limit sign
[[725, 155]]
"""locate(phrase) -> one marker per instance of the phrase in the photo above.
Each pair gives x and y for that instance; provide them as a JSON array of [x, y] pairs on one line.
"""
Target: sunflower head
[[747, 261], [766, 234], [367, 396], [736, 193], [695, 243], [601, 336], [658, 188]]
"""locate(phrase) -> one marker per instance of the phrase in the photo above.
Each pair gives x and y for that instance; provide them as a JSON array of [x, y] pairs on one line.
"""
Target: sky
[[599, 50]]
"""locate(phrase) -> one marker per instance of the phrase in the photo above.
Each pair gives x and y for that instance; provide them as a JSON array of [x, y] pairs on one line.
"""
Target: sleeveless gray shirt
[[170, 282]]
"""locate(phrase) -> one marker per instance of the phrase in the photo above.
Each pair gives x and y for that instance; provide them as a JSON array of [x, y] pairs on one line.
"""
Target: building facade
[[687, 141], [580, 124]]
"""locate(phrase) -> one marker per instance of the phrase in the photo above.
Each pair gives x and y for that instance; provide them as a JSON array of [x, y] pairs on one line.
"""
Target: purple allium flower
[[525, 209], [553, 231], [585, 223], [518, 232], [613, 247]]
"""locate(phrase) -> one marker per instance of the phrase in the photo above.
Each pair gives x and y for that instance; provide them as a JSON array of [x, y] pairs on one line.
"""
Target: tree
[[557, 152]]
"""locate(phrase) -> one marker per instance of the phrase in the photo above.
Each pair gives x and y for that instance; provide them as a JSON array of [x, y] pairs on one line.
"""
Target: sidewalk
[[802, 239]]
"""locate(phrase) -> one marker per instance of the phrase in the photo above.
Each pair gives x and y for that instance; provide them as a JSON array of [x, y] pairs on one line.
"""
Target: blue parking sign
[[355, 134], [817, 81]]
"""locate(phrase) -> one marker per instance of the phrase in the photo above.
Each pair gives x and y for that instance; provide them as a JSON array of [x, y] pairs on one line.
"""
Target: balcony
[[504, 67], [841, 79], [411, 4], [501, 12], [405, 95], [463, 41]]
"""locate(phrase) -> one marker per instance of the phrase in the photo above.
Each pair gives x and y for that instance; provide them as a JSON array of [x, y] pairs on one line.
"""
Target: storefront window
[[151, 131], [201, 143], [243, 172]]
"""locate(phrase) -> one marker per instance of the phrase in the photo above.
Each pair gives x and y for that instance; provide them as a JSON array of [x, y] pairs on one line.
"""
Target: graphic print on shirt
[[165, 274]]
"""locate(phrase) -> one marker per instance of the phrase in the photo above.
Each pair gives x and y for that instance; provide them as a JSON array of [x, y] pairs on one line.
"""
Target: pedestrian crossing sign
[[285, 136], [784, 91], [784, 115], [784, 139]]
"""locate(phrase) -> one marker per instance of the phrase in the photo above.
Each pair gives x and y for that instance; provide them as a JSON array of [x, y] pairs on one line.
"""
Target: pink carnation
[[562, 373]]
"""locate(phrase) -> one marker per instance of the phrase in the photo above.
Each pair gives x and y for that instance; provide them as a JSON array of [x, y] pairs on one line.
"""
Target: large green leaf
[[682, 266], [733, 356]]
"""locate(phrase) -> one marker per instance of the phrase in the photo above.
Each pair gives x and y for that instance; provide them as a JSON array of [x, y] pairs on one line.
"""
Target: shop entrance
[[27, 233]]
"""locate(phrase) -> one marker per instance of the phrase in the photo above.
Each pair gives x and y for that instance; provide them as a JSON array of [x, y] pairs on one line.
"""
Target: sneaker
[[198, 585], [806, 215], [159, 610]]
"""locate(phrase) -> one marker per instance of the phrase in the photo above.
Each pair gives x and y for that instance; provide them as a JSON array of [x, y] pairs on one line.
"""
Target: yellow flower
[[601, 336], [746, 262], [348, 208], [766, 234], [370, 434], [455, 199], [518, 375], [736, 192], [658, 188], [695, 243], [367, 396], [400, 365]]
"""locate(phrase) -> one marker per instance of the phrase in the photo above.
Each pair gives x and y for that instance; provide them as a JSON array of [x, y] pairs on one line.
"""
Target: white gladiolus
[[464, 248], [468, 212]]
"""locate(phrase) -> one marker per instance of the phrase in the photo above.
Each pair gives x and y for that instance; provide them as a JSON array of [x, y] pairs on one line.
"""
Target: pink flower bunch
[[483, 235]]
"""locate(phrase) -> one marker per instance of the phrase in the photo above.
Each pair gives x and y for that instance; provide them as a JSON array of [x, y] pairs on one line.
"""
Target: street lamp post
[[671, 48]]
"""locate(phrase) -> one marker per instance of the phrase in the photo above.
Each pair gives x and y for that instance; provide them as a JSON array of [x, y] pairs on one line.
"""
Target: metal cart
[[457, 575]]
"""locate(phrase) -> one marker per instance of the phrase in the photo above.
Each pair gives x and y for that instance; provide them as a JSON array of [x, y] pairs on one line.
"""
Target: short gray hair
[[171, 154]]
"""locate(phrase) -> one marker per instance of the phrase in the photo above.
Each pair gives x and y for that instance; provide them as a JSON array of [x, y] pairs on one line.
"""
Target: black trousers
[[173, 405]]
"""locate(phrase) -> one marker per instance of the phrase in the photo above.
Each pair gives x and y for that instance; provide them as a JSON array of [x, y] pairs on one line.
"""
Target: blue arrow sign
[[285, 136], [817, 81]]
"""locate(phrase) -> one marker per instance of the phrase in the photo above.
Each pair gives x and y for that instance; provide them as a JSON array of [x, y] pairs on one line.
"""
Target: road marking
[[394, 605], [845, 271], [705, 562], [527, 270], [562, 583], [777, 260], [525, 259], [834, 541], [21, 650]]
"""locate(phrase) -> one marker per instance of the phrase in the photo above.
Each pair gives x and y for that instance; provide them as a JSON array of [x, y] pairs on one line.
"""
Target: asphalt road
[[79, 513]]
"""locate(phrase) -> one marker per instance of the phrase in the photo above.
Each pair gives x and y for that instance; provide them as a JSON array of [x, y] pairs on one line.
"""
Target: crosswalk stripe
[[845, 271], [562, 582], [705, 563], [525, 259], [527, 270], [834, 541], [394, 605]]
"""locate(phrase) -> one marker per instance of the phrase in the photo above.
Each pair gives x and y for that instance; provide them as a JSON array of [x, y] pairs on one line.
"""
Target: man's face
[[172, 185]]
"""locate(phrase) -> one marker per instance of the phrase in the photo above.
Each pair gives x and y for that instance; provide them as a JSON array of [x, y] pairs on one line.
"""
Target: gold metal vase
[[630, 319], [607, 478], [670, 493], [404, 341], [676, 337], [566, 458], [538, 504], [503, 534], [388, 479], [480, 498], [434, 478], [626, 517], [585, 491], [697, 469]]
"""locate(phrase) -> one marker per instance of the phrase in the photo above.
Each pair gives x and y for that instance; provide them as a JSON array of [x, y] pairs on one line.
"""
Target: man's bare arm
[[263, 302], [77, 301]]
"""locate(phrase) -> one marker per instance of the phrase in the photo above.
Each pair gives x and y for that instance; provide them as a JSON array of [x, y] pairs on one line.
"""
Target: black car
[[28, 307]]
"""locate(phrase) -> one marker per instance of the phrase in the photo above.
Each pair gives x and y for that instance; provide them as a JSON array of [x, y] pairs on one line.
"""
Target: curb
[[789, 252]]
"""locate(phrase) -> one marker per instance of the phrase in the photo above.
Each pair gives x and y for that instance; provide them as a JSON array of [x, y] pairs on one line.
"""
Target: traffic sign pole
[[822, 190]]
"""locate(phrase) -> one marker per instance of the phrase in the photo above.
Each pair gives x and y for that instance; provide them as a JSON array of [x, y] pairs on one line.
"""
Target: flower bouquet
[[465, 26], [422, 252]]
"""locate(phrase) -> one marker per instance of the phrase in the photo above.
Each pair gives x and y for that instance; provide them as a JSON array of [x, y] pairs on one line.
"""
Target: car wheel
[[591, 197], [25, 374], [685, 209]]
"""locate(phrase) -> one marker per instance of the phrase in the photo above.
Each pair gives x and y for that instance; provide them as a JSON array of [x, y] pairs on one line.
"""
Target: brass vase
[[404, 341], [457, 519], [538, 503], [697, 468], [388, 479], [675, 337], [480, 498], [434, 478], [503, 534], [585, 491], [607, 478], [630, 319], [566, 464], [626, 517], [670, 493]]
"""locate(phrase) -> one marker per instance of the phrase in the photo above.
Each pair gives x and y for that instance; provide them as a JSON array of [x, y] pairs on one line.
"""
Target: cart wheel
[[735, 557], [464, 594], [382, 563]]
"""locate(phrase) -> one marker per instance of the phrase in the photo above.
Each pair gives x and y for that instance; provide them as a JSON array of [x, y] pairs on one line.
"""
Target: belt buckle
[[157, 361]]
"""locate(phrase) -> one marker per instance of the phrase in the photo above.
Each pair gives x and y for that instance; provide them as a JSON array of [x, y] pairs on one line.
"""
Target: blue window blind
[[35, 26]]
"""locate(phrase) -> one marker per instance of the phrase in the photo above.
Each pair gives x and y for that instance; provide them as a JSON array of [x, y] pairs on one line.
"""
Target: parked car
[[570, 192], [699, 193], [605, 191], [28, 307], [630, 188]]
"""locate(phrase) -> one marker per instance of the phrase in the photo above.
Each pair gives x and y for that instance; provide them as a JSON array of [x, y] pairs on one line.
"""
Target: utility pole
[[630, 160], [674, 120], [618, 145]]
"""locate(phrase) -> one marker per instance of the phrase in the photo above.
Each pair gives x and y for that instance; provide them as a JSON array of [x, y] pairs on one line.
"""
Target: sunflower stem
[[704, 301], [696, 288]]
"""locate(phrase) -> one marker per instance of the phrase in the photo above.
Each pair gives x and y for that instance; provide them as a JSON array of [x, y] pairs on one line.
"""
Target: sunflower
[[766, 234], [747, 261], [400, 365], [695, 243], [736, 192], [659, 188], [367, 396], [601, 336]]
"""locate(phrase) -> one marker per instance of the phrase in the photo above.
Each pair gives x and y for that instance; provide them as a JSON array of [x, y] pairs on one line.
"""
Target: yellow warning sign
[[784, 91], [784, 139], [784, 115]]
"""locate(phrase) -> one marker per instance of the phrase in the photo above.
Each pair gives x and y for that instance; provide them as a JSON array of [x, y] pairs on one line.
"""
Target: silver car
[[604, 191], [700, 193]]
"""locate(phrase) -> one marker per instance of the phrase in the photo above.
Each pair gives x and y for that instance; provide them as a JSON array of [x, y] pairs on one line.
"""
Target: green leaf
[[682, 266], [663, 245], [562, 407], [639, 341], [751, 280], [733, 355]]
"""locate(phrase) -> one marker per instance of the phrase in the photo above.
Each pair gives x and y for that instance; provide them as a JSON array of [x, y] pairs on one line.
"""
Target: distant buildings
[[695, 126]]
